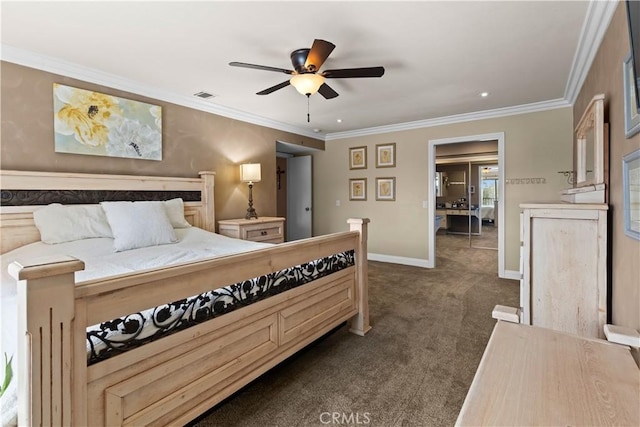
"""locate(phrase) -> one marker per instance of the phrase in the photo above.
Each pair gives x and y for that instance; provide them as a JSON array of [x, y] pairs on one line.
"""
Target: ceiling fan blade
[[327, 92], [346, 73], [274, 88], [318, 54], [260, 67]]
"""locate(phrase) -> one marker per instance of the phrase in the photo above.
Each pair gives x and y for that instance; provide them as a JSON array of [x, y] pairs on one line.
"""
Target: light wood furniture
[[503, 312], [564, 267], [263, 229], [535, 376], [591, 156], [174, 379]]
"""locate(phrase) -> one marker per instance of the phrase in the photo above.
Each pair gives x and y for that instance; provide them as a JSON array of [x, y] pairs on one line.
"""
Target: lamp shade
[[250, 172], [307, 83]]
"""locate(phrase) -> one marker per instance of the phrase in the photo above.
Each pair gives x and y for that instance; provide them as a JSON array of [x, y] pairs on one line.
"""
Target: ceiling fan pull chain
[[308, 117]]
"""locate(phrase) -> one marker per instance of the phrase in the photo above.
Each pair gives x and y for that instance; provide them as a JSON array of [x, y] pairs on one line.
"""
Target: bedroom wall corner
[[193, 141]]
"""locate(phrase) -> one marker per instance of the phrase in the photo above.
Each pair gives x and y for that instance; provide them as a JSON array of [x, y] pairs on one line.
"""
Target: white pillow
[[175, 212], [138, 224], [58, 223]]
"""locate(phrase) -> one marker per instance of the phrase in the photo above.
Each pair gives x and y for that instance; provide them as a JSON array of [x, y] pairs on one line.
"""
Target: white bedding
[[486, 212], [101, 261]]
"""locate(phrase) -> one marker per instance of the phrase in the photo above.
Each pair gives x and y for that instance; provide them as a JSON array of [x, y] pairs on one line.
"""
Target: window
[[489, 191]]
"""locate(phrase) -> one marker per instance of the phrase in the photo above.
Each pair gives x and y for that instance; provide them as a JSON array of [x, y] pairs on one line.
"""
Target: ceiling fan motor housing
[[298, 58]]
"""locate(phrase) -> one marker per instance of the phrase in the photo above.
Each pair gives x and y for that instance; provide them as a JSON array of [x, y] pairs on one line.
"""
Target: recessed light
[[339, 120], [484, 94], [316, 130]]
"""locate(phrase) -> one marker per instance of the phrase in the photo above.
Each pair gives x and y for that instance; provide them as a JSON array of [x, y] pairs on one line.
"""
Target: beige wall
[[605, 77], [536, 145], [192, 140]]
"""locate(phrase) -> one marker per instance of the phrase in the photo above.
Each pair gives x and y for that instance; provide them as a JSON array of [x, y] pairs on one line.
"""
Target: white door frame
[[431, 206]]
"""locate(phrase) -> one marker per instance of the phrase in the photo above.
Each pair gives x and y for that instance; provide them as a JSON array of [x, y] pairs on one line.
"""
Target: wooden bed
[[197, 367]]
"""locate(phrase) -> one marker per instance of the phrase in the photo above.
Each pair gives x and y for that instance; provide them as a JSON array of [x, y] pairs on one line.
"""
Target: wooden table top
[[535, 376]]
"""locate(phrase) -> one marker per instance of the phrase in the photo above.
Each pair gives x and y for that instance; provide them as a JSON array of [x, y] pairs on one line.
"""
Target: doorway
[[471, 215], [294, 189]]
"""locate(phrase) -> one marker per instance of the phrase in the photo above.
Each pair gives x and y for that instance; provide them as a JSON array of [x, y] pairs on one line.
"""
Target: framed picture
[[358, 189], [358, 157], [386, 189], [631, 193], [631, 114], [97, 124], [386, 155]]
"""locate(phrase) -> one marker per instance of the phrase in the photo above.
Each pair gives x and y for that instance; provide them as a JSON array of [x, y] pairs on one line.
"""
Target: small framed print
[[386, 155], [386, 189], [358, 157], [631, 113], [358, 189]]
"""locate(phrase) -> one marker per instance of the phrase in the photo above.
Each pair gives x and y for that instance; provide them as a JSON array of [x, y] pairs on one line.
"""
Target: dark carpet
[[430, 328]]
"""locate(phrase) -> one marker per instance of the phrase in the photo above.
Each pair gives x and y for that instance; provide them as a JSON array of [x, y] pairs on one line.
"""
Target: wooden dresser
[[263, 229], [564, 267]]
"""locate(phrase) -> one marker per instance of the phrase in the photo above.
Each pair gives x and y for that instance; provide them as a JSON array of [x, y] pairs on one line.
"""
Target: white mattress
[[101, 261]]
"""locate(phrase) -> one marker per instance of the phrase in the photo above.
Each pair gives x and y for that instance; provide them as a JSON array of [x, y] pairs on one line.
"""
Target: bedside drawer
[[264, 229], [264, 233]]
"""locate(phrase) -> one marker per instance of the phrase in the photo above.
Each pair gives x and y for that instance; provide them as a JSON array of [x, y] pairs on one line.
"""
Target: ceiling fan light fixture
[[307, 83]]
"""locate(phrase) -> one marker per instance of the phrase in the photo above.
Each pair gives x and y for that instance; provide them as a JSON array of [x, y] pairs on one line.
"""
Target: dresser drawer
[[266, 232]]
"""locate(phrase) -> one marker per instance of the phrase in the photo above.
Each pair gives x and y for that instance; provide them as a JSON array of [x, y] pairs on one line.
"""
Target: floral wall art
[[97, 124]]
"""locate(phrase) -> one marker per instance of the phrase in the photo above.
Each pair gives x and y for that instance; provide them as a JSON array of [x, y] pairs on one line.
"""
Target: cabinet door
[[566, 270]]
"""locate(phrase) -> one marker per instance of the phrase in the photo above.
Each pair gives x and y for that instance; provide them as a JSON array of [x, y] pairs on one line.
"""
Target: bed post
[[46, 307], [208, 205], [360, 322]]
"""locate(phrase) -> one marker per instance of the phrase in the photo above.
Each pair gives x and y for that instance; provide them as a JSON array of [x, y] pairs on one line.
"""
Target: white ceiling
[[438, 56]]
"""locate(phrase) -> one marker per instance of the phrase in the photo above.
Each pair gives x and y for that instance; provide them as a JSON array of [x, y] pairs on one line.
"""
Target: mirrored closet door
[[483, 194], [467, 189]]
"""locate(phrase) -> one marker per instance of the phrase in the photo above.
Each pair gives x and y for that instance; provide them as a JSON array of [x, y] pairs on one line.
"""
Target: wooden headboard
[[16, 222]]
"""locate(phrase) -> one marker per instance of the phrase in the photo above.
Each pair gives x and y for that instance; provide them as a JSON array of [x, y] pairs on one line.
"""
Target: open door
[[299, 197]]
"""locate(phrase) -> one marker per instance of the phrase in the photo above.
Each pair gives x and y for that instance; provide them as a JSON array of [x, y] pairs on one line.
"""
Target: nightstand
[[264, 229]]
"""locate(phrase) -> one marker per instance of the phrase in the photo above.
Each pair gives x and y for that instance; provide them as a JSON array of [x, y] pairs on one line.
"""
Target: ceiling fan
[[306, 77]]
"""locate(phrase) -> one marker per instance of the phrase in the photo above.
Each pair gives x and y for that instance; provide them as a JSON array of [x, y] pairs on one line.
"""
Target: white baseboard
[[415, 262], [424, 263], [511, 274]]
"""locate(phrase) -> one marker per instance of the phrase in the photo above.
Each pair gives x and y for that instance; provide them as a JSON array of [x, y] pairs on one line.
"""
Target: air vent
[[204, 95]]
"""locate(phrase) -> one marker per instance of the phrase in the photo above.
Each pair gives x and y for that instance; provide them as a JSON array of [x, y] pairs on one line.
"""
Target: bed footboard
[[46, 312], [174, 379]]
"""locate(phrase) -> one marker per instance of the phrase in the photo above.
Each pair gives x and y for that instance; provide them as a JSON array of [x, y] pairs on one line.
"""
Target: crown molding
[[458, 118], [599, 14], [91, 75], [596, 23]]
